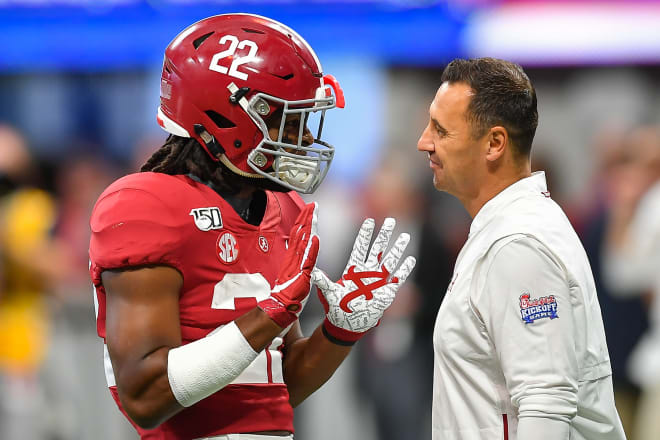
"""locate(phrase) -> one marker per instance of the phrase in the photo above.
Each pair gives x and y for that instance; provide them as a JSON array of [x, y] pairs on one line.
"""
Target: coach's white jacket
[[520, 349]]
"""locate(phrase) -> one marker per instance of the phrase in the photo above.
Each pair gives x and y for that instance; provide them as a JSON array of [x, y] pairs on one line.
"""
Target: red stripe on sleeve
[[269, 365]]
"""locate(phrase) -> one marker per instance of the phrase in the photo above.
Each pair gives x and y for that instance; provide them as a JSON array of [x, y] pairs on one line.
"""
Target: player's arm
[[142, 325], [310, 362], [142, 329], [526, 306], [353, 306]]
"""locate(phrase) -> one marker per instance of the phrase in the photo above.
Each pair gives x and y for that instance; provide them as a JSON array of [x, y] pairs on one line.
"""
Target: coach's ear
[[498, 142]]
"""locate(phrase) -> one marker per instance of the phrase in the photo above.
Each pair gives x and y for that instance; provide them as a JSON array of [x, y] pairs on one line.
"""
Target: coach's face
[[455, 157]]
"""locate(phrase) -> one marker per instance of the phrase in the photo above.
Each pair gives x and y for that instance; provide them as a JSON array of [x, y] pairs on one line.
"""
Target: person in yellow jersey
[[29, 262]]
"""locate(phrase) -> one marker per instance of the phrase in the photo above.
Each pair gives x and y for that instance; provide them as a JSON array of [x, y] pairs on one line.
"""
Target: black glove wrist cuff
[[334, 340]]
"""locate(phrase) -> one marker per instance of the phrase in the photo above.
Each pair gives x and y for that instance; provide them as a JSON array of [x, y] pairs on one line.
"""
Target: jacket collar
[[534, 184]]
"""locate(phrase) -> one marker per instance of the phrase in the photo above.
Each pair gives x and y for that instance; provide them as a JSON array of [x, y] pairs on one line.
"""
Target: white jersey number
[[230, 52], [267, 367], [239, 285]]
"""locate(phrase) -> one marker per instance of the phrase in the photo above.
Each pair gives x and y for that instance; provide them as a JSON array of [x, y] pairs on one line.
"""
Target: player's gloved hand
[[293, 284], [356, 302]]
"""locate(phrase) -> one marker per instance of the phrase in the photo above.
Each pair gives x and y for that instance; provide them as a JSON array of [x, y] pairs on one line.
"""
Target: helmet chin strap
[[238, 95], [212, 145]]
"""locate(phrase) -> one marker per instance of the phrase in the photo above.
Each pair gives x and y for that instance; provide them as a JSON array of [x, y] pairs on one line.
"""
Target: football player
[[203, 261]]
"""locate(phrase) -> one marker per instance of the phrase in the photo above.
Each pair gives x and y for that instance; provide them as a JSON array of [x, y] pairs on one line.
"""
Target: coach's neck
[[495, 177]]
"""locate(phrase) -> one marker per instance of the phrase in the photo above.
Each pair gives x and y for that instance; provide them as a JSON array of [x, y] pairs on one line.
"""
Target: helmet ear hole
[[198, 42], [167, 66], [219, 120], [253, 31], [284, 77]]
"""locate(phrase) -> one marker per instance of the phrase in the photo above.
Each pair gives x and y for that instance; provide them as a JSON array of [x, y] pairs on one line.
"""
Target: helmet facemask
[[295, 166]]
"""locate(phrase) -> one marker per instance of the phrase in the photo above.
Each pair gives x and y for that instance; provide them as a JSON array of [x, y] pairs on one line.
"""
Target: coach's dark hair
[[503, 95], [180, 155]]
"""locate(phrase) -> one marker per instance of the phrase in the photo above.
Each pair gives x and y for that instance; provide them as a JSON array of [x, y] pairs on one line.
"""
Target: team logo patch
[[263, 244], [533, 309], [227, 248], [207, 218], [378, 280]]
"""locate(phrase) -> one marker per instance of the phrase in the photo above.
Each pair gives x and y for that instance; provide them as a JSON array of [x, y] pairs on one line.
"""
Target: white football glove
[[356, 302]]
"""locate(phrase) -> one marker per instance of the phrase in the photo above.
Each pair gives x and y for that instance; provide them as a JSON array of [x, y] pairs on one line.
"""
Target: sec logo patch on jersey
[[227, 248]]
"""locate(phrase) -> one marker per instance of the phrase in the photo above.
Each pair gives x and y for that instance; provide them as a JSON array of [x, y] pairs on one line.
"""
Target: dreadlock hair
[[180, 155]]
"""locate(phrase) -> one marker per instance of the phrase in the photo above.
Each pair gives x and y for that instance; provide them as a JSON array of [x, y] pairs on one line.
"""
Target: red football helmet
[[225, 75]]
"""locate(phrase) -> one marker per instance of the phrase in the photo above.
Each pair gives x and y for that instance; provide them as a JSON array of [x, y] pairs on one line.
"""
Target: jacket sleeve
[[528, 313], [543, 428]]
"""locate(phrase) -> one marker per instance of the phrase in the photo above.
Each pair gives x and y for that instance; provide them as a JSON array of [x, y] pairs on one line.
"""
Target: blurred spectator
[[15, 160], [632, 259], [444, 228], [395, 364], [50, 384], [32, 262], [73, 377], [390, 361], [624, 314], [315, 418]]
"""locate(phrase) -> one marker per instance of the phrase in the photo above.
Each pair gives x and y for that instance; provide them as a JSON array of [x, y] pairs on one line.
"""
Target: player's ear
[[498, 142]]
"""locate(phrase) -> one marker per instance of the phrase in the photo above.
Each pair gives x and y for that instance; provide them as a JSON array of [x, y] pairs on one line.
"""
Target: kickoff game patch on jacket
[[533, 309]]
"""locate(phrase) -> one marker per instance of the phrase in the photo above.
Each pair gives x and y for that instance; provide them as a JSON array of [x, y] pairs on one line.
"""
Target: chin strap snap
[[211, 144], [238, 95]]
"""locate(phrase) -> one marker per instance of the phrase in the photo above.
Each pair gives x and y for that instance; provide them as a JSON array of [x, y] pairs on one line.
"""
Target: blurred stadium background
[[79, 87]]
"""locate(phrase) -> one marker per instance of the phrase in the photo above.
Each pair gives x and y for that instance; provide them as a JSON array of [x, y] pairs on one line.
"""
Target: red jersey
[[227, 266]]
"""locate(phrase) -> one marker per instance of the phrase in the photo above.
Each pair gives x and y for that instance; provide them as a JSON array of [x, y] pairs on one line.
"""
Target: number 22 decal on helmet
[[230, 54], [225, 76]]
